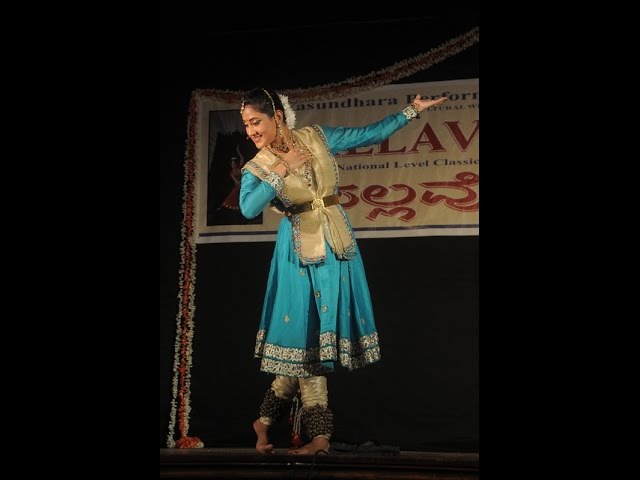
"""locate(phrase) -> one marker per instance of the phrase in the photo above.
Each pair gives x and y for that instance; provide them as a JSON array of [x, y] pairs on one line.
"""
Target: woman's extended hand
[[424, 104]]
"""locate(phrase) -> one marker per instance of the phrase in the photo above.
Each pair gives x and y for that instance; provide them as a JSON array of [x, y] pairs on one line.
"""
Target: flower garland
[[289, 114], [182, 359]]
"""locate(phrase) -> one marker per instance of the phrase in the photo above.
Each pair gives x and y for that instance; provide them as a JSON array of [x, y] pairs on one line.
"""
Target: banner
[[423, 180]]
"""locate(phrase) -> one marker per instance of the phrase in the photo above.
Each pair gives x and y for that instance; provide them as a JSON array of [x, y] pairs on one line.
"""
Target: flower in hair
[[289, 114]]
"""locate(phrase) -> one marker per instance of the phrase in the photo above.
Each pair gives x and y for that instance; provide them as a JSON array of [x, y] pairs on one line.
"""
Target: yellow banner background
[[424, 180]]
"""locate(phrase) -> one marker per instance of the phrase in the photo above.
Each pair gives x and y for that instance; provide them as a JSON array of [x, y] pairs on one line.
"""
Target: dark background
[[423, 395]]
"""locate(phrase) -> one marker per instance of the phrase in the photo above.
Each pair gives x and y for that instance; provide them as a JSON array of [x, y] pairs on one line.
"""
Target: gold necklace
[[285, 147], [272, 150], [304, 171], [281, 148]]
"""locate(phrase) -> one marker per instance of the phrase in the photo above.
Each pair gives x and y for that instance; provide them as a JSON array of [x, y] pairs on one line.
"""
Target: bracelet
[[411, 112], [286, 166]]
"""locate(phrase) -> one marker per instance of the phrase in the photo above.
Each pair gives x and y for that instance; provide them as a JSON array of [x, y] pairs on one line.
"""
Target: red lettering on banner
[[427, 136], [431, 139], [408, 215], [464, 181], [353, 152], [373, 192], [458, 136], [351, 198], [384, 148]]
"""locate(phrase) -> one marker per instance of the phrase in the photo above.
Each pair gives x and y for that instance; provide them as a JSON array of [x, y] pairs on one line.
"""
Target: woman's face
[[259, 126]]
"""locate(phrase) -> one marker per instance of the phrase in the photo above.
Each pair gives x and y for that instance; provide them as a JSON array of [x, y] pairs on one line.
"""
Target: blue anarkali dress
[[317, 309]]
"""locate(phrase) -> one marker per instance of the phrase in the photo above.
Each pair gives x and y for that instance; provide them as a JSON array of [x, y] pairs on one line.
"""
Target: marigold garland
[[182, 359]]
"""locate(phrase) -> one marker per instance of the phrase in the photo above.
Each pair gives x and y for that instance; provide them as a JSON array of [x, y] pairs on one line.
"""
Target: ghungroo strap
[[274, 407], [317, 420]]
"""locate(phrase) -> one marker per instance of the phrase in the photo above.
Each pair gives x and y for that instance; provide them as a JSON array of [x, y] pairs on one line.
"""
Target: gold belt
[[312, 205]]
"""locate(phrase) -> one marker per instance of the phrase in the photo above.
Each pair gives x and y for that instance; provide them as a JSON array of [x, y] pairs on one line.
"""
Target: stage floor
[[245, 463]]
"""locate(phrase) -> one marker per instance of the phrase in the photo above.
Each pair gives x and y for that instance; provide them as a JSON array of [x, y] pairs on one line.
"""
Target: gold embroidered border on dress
[[351, 362], [300, 362], [357, 355], [328, 338], [276, 367], [328, 350]]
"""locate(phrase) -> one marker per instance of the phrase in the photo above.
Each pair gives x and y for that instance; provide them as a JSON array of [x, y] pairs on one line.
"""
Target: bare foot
[[318, 443], [262, 445]]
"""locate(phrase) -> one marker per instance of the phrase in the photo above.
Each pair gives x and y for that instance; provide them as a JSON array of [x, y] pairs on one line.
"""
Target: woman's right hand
[[296, 157]]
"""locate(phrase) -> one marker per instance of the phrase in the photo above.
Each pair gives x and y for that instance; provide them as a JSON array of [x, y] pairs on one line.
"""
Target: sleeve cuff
[[273, 179]]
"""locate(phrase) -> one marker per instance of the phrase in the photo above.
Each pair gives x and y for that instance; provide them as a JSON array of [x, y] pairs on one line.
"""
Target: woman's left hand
[[424, 104]]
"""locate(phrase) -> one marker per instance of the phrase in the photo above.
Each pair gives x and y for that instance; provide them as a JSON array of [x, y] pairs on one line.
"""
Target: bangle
[[286, 166], [411, 112]]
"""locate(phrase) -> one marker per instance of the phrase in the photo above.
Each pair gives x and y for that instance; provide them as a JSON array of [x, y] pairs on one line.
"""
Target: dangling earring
[[279, 131]]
